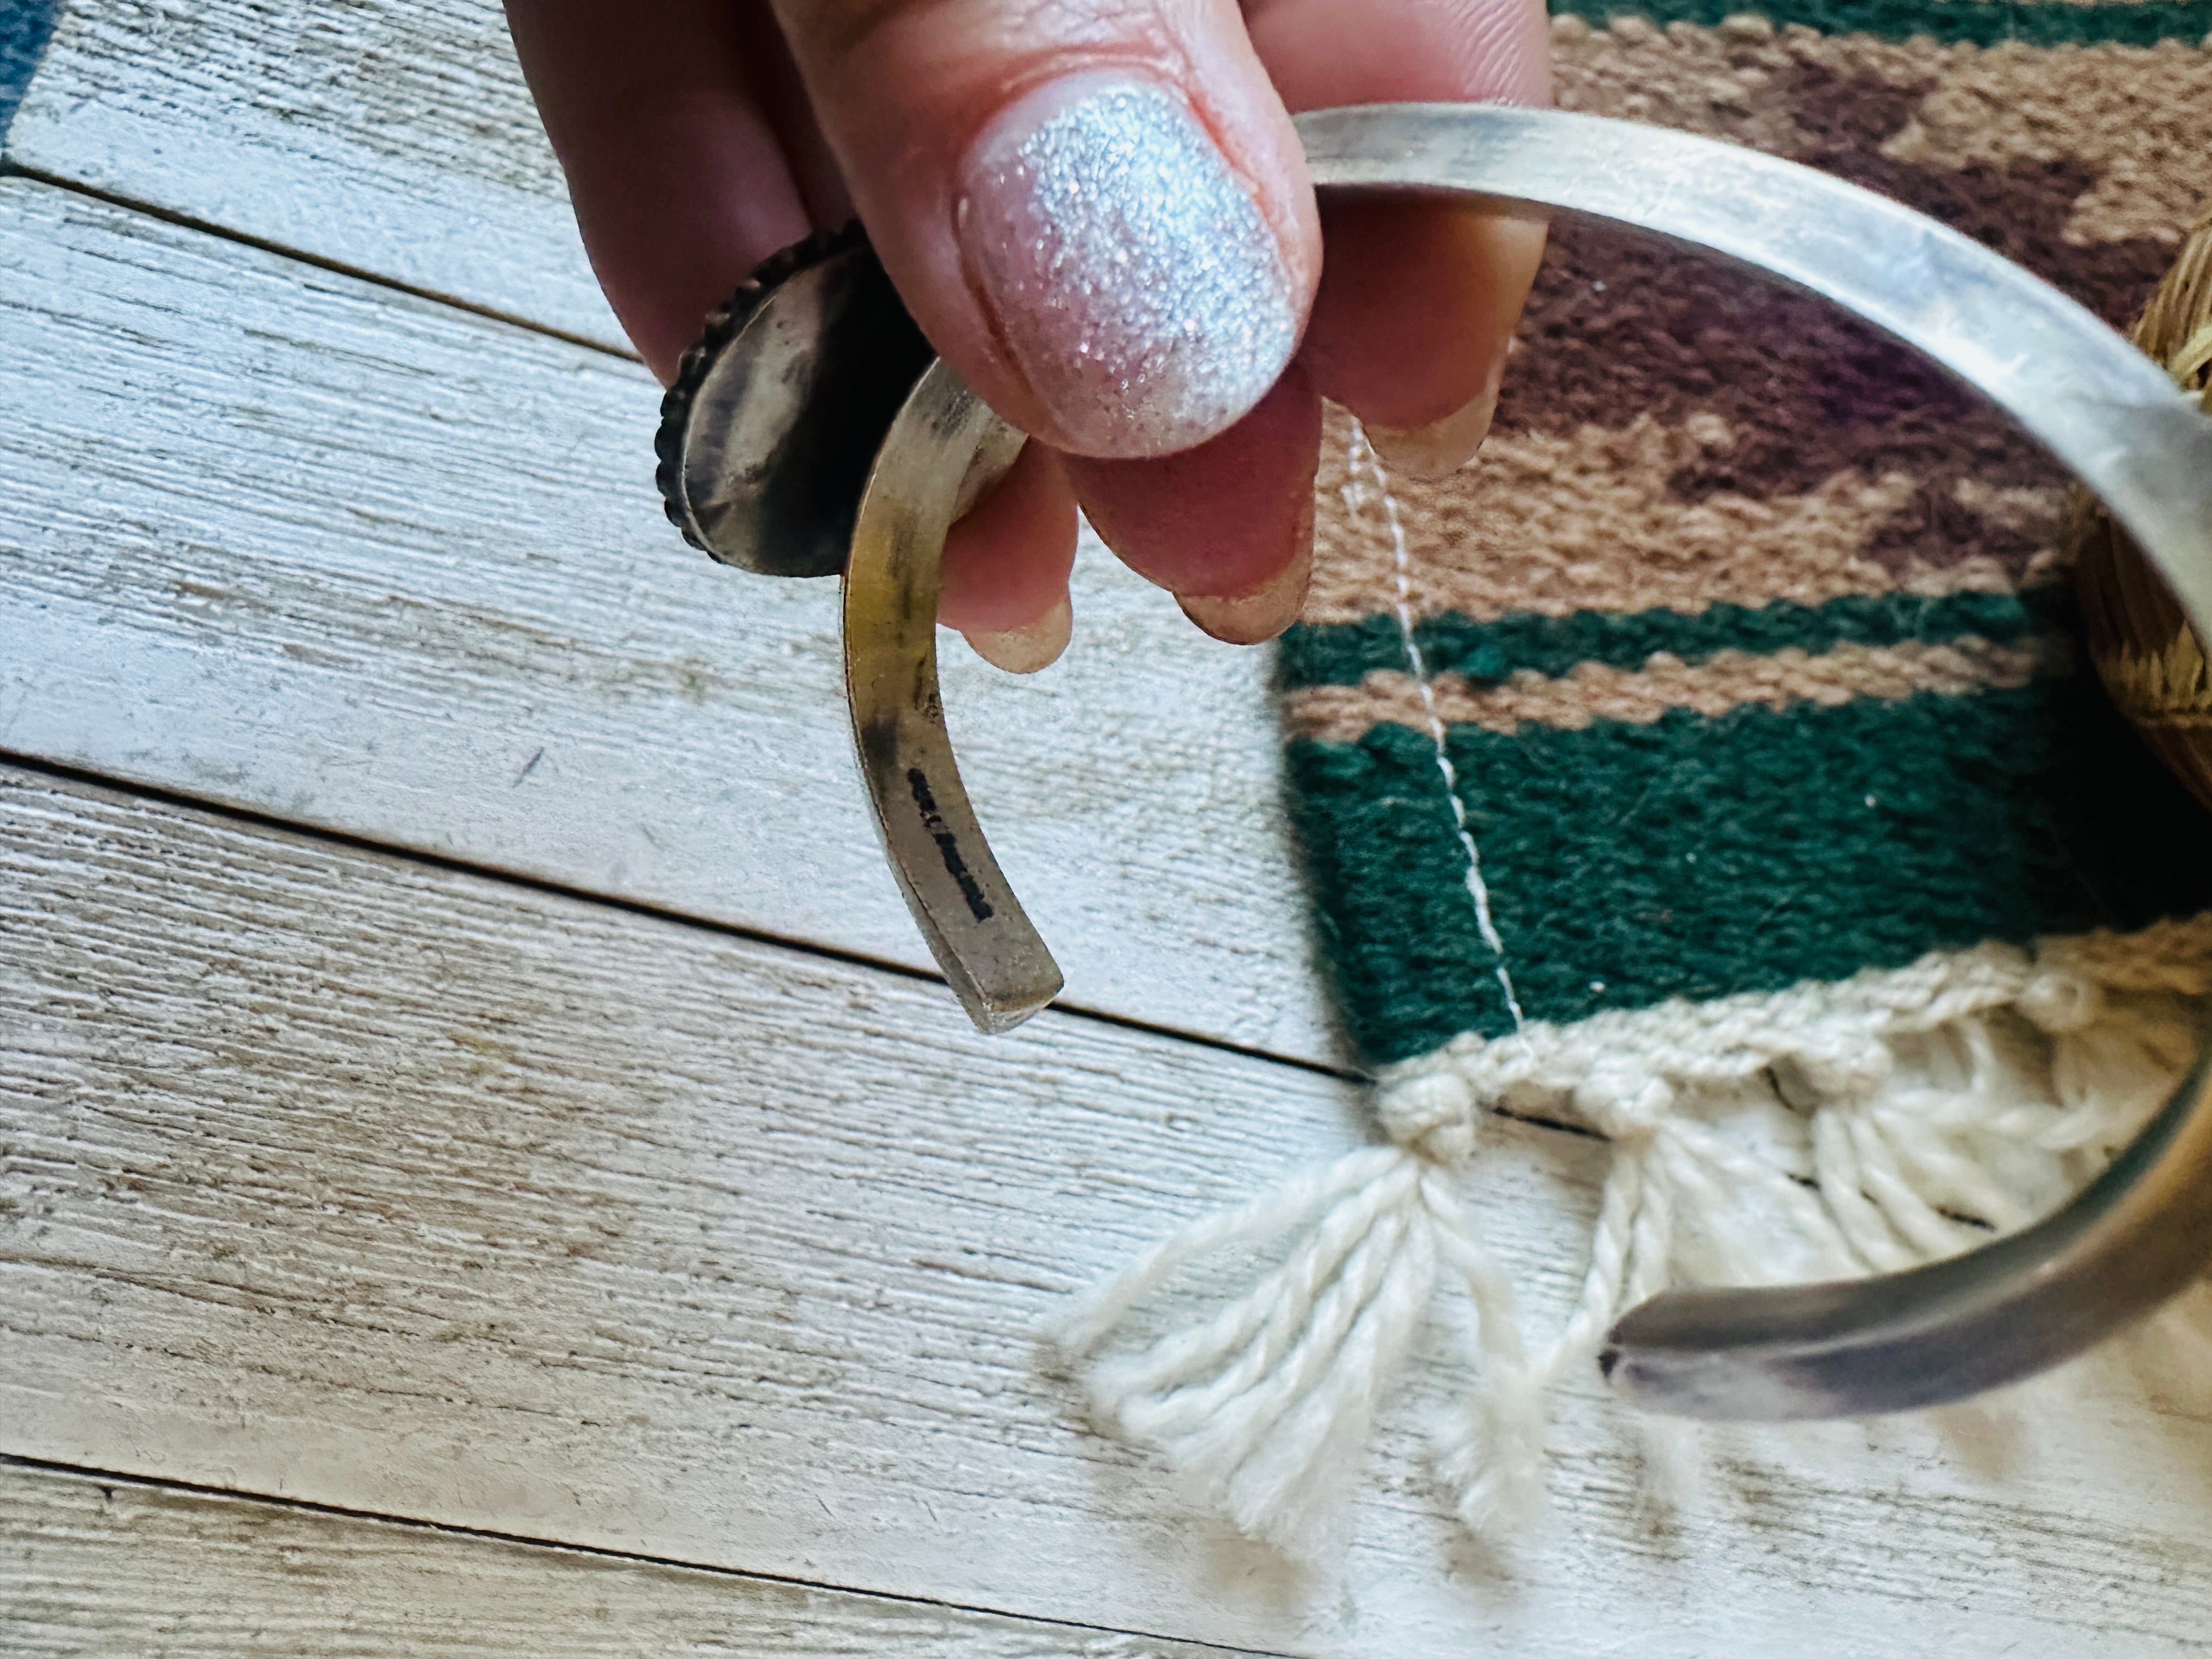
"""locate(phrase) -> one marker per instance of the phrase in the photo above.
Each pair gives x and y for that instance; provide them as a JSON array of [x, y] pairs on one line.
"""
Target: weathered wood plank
[[279, 538], [99, 1567], [393, 136], [327, 1176]]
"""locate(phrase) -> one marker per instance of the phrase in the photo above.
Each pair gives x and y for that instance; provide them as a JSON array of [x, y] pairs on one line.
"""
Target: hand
[[1098, 212]]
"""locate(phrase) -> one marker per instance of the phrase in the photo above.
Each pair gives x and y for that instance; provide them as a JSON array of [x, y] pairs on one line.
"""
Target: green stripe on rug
[[1388, 876], [1696, 858], [1972, 22], [1344, 653]]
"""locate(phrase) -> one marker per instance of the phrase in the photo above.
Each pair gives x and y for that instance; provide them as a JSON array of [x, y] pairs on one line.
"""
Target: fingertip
[[1417, 306], [1099, 215], [1145, 296], [1418, 300], [1224, 521], [1440, 447], [1027, 649], [1256, 617], [1006, 561]]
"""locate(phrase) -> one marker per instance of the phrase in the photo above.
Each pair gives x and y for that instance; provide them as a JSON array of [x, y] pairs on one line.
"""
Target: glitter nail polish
[[1141, 290]]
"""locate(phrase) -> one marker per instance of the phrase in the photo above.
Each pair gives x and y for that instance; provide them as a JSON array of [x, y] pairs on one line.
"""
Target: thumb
[[1097, 209]]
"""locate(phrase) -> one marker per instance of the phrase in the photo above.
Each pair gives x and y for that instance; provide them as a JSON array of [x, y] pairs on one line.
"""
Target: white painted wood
[[98, 1567], [393, 136], [328, 1175], [280, 538]]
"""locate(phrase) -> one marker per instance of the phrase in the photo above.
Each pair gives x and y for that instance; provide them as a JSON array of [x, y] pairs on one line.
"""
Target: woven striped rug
[[1711, 764]]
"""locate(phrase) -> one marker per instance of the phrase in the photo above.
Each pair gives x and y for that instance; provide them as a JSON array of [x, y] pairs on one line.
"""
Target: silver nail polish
[[1136, 280]]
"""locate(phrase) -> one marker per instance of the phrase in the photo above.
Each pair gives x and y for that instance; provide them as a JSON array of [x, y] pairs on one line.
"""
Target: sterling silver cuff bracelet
[[811, 431]]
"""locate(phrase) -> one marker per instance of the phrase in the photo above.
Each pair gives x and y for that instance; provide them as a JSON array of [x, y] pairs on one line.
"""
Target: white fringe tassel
[[1909, 1112], [1265, 1404]]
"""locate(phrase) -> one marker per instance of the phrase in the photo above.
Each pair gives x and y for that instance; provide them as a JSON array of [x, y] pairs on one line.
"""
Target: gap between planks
[[363, 274], [154, 794], [186, 1538], [333, 1176], [391, 135], [280, 540]]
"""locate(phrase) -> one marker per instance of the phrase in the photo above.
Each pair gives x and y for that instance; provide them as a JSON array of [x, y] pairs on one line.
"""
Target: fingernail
[[1268, 610], [1141, 289], [1442, 447], [1026, 650]]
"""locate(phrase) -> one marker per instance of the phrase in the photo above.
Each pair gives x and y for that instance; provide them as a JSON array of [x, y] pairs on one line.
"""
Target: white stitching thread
[[1361, 454]]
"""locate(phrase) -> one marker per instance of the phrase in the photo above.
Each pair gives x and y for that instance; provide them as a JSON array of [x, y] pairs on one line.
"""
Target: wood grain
[[327, 1176], [98, 1567], [390, 136], [279, 538]]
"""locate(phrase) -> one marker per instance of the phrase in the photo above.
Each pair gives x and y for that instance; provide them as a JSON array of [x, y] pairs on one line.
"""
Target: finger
[[1227, 527], [677, 174], [1097, 209], [1417, 309], [1417, 301], [773, 75], [1004, 582]]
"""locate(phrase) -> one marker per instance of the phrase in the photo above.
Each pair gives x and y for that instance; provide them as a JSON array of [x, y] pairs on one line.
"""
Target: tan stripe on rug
[[1725, 681]]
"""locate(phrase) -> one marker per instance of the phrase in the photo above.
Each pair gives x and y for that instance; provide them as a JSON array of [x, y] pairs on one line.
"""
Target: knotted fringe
[[1906, 1115], [1265, 1404]]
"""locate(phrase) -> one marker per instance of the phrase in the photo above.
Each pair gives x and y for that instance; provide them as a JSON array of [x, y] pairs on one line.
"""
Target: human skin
[[1098, 213]]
